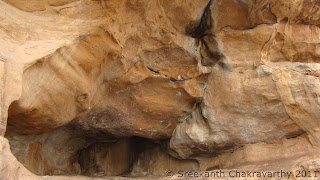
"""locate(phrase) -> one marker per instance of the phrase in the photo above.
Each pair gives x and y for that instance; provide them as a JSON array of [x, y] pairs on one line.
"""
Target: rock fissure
[[205, 23], [134, 89]]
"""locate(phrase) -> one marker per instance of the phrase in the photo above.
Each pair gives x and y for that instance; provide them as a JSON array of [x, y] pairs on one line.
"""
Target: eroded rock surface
[[202, 85], [249, 98]]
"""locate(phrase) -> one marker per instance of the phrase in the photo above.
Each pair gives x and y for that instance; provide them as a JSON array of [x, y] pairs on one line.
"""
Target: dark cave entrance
[[68, 151]]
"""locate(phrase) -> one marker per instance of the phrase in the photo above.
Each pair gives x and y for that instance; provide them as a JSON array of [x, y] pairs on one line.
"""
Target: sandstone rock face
[[10, 168], [250, 99], [119, 68], [254, 155], [257, 95], [110, 160], [106, 88], [147, 163]]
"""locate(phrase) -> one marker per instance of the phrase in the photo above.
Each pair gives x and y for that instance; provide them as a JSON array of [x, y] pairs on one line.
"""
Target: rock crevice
[[102, 88]]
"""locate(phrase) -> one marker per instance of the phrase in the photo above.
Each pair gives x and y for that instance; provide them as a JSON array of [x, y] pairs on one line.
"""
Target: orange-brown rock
[[262, 156], [10, 168], [105, 88], [100, 64], [300, 11], [249, 98], [155, 162]]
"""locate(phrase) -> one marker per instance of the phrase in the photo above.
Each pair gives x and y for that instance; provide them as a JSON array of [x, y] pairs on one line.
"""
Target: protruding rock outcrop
[[193, 85]]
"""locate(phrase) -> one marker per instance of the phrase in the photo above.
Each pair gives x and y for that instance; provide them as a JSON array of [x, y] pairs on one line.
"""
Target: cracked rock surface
[[102, 88]]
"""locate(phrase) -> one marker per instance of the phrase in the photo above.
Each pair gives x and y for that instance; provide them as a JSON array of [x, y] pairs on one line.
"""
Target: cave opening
[[131, 89], [73, 151]]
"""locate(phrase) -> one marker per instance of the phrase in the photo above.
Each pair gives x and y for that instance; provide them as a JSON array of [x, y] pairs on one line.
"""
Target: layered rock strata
[[102, 88]]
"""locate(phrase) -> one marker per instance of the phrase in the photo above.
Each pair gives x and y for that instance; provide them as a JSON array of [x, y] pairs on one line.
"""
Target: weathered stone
[[262, 156], [10, 168], [232, 84], [156, 162], [109, 159], [252, 99], [300, 10]]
